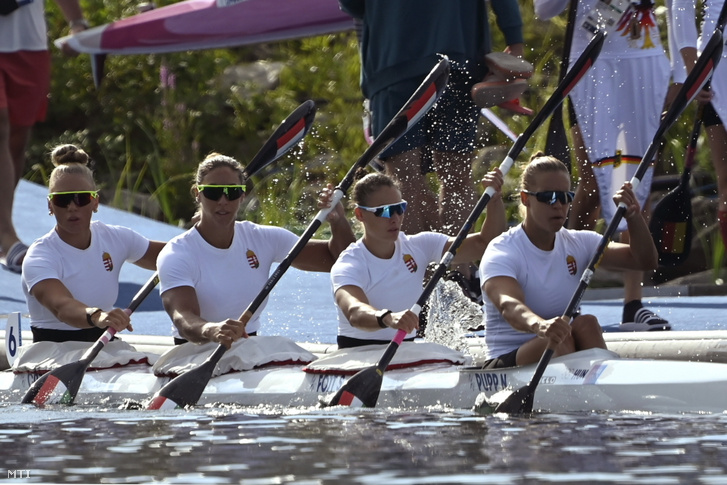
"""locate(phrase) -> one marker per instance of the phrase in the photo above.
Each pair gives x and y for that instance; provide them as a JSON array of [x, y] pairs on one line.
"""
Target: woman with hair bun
[[70, 276], [530, 273]]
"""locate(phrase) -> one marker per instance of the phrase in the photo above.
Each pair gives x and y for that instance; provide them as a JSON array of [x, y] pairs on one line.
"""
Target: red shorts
[[24, 85]]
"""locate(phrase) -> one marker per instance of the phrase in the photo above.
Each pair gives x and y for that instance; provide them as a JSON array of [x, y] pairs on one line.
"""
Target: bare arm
[[356, 308], [473, 247], [507, 296], [182, 305], [54, 295], [640, 253], [318, 255], [149, 260]]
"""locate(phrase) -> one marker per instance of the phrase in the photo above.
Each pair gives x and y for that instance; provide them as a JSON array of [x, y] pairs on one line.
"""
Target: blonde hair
[[539, 164], [70, 160], [369, 184]]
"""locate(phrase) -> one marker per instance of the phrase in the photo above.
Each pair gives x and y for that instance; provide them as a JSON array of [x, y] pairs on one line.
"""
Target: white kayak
[[587, 381]]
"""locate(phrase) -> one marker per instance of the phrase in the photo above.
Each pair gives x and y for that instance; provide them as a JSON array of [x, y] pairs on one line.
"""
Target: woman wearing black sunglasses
[[379, 278], [210, 274], [531, 272], [71, 275]]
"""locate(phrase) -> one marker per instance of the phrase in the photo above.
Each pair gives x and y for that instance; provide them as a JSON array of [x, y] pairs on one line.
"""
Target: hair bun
[[64, 154]]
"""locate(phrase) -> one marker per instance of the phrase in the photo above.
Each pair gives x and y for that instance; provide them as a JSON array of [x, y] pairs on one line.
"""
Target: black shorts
[[505, 360], [80, 335], [349, 342]]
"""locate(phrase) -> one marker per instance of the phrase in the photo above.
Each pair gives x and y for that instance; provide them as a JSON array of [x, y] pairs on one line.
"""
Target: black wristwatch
[[90, 312], [380, 317]]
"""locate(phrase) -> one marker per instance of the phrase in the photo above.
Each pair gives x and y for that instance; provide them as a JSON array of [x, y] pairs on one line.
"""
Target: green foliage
[[147, 136]]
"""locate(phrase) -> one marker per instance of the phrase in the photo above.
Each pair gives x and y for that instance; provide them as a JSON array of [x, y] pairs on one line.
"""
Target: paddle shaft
[[580, 67], [693, 84], [556, 142]]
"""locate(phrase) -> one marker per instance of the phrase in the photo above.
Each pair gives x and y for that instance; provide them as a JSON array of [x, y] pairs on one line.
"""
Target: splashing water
[[451, 316]]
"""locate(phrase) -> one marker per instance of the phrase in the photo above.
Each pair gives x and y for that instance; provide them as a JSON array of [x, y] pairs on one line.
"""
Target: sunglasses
[[80, 198], [386, 210], [552, 196], [214, 192]]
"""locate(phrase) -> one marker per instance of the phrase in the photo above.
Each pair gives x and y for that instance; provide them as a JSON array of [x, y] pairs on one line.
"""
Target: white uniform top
[[685, 35], [548, 279], [24, 29], [91, 274], [394, 283], [619, 101], [226, 280]]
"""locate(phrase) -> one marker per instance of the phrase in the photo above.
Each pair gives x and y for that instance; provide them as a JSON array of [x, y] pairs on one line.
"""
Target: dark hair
[[540, 163], [69, 159], [215, 160], [369, 184]]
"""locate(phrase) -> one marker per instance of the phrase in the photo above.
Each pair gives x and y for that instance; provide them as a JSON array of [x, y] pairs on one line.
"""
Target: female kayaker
[[530, 272], [379, 278], [71, 275], [211, 273]]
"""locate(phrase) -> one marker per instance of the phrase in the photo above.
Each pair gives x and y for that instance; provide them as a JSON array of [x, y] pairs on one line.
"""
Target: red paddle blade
[[184, 390], [58, 386], [671, 226], [361, 390]]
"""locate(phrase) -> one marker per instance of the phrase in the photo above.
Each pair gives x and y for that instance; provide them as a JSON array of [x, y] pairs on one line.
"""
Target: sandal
[[14, 257]]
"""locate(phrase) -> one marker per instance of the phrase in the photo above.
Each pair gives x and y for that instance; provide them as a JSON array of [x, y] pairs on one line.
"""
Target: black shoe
[[642, 318]]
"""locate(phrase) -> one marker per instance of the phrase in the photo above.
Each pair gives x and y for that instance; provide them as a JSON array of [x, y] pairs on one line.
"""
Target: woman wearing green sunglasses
[[379, 278], [71, 275], [210, 274], [531, 272]]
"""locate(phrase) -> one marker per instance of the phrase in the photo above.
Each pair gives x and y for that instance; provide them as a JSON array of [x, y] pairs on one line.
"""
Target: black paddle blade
[[361, 390], [556, 143], [184, 390], [58, 386], [671, 225], [519, 402], [290, 132]]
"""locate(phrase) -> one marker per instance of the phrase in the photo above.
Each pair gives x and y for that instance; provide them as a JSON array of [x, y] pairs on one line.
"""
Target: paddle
[[61, 385], [521, 401], [70, 375], [186, 389], [671, 219], [556, 143], [362, 389]]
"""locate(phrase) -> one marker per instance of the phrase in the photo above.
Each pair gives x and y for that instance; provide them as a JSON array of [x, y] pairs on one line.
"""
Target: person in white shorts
[[210, 274], [531, 272], [70, 276], [379, 278], [689, 45], [618, 108]]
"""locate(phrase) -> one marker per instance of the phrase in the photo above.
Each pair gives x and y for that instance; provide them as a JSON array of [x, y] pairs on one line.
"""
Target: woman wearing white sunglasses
[[71, 275], [377, 279], [530, 273]]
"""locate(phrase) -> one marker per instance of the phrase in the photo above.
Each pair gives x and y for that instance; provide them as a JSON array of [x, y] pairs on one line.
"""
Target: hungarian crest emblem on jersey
[[252, 259], [108, 263], [572, 265], [411, 265]]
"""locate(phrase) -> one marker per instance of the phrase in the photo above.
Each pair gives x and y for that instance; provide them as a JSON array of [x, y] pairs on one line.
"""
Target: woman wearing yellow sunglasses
[[71, 275], [210, 274]]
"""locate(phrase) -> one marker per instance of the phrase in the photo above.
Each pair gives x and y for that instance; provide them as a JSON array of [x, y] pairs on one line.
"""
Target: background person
[[24, 87], [71, 275]]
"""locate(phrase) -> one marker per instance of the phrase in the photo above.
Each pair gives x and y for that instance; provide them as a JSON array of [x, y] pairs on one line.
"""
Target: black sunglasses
[[552, 196], [214, 192], [80, 198]]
